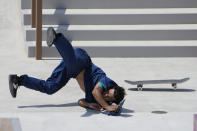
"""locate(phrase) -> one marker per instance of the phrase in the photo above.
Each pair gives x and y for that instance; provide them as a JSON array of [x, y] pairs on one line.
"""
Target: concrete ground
[[158, 107]]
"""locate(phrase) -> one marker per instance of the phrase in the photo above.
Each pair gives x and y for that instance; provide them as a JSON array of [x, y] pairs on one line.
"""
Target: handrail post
[[33, 13], [38, 29]]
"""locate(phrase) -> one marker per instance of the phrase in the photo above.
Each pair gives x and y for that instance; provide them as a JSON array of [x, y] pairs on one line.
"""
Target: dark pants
[[73, 62]]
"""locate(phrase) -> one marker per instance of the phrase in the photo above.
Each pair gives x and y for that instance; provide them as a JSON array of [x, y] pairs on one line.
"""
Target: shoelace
[[15, 86]]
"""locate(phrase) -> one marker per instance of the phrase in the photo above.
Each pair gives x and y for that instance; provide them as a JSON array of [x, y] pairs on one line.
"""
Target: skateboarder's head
[[114, 94]]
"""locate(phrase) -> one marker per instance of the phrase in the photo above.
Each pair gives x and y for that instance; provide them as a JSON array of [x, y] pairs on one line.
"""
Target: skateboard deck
[[173, 82], [112, 113]]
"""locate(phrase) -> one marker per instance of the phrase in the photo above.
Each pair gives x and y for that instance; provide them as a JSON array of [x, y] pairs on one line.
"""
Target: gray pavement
[[37, 111]]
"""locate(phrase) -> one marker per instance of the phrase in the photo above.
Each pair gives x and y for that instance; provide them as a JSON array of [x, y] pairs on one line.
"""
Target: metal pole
[[38, 29], [33, 13]]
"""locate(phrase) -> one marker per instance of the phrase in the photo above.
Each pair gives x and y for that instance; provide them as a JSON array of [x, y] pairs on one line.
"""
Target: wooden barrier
[[9, 124], [36, 22]]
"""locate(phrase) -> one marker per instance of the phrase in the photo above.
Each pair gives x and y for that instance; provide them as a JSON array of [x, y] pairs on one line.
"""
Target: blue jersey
[[92, 76]]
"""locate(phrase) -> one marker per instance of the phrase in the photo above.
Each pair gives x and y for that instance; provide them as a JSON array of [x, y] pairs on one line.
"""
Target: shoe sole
[[12, 90], [50, 36]]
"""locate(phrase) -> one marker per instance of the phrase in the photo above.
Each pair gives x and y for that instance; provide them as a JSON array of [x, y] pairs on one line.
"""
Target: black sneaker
[[51, 36], [13, 84]]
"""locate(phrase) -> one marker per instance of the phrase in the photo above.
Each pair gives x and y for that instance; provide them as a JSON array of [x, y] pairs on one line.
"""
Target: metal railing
[[36, 22]]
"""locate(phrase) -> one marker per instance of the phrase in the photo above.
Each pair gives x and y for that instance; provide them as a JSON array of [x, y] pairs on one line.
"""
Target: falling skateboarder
[[100, 91]]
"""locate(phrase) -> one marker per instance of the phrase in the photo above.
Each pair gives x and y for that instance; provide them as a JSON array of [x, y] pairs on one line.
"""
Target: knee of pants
[[51, 89]]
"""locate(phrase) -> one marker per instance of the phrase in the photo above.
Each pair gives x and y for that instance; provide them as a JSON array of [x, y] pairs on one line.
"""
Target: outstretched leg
[[63, 45], [54, 83], [75, 59]]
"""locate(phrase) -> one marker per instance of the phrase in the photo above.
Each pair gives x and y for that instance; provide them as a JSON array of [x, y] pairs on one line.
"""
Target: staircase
[[118, 28]]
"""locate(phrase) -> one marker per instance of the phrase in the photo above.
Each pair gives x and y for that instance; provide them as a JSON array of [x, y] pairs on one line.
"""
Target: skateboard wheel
[[139, 87], [174, 85]]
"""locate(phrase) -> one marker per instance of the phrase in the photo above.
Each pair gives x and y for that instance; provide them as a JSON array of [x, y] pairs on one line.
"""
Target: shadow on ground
[[125, 113], [50, 105], [163, 90], [159, 112], [89, 112]]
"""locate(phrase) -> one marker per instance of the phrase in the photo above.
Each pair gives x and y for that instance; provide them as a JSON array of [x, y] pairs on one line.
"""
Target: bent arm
[[97, 93], [86, 104]]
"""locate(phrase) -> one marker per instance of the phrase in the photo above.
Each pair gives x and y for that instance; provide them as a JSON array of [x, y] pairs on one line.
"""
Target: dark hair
[[119, 94]]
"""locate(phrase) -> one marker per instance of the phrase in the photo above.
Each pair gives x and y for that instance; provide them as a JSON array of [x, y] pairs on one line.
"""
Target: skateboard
[[173, 82], [113, 113]]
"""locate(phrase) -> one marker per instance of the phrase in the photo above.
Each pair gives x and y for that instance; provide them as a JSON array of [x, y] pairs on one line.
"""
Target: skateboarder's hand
[[114, 108], [95, 106]]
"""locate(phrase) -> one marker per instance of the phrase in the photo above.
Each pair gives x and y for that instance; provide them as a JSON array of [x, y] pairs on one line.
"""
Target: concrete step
[[115, 16], [98, 4], [120, 32], [126, 48]]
